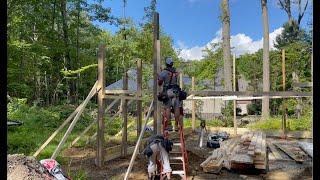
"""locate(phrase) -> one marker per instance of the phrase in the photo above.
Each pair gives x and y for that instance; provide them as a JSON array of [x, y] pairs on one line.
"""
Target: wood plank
[[124, 104], [302, 84], [73, 123], [193, 105], [53, 135], [93, 123], [139, 94], [119, 91], [124, 97], [289, 153], [307, 147], [274, 151]]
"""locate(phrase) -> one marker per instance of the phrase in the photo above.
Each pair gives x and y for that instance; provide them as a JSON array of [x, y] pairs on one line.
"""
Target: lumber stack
[[247, 152]]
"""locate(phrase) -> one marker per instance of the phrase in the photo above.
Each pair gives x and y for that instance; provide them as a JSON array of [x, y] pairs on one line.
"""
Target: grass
[[274, 123]]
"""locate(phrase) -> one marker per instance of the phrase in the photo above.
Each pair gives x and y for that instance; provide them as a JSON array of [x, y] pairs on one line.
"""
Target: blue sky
[[195, 23]]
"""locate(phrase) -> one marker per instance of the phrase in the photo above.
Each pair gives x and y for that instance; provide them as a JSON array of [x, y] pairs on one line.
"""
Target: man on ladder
[[171, 97]]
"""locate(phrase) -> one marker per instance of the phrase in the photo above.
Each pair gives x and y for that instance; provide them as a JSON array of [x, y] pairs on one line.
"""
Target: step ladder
[[178, 156]]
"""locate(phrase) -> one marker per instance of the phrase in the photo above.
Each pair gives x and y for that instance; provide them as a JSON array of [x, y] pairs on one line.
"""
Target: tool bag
[[54, 168]]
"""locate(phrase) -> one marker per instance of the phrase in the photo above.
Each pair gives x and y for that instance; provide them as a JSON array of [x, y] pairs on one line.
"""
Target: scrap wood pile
[[239, 153], [294, 150]]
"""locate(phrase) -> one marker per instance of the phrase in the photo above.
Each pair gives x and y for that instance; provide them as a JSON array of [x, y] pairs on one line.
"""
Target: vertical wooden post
[[193, 106], [156, 71], [139, 94], [283, 70], [125, 117], [284, 88], [101, 106], [181, 86], [181, 80], [235, 125]]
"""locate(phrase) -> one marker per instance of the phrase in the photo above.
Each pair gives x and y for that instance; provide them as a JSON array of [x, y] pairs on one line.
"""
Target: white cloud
[[242, 44]]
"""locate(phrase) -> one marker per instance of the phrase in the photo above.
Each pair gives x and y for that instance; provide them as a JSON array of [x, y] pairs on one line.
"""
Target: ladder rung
[[175, 152], [176, 158], [178, 172], [176, 163]]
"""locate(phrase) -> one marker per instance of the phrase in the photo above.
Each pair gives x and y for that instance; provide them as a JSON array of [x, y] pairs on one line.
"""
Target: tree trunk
[[78, 52], [266, 63], [226, 45], [63, 9]]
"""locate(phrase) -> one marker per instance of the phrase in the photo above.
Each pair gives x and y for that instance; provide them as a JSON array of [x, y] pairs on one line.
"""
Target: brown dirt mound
[[24, 167]]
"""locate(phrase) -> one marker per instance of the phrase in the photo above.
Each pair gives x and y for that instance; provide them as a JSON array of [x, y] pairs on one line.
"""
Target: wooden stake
[[101, 106], [193, 106], [93, 123], [284, 88], [234, 101], [125, 118], [139, 94], [73, 123], [111, 119], [135, 152], [283, 70]]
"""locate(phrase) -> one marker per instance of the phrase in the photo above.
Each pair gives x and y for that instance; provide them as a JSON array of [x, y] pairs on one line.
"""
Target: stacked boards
[[220, 157], [250, 151]]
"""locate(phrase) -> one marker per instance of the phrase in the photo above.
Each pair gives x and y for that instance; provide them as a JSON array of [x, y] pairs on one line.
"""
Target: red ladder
[[177, 157]]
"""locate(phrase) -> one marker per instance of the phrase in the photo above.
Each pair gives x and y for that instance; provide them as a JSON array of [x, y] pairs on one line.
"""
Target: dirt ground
[[116, 169], [24, 167]]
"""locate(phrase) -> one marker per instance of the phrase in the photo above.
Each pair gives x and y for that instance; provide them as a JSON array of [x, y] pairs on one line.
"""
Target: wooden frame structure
[[102, 94]]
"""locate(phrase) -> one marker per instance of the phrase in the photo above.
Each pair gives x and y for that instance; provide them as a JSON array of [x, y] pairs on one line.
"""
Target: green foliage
[[250, 66], [80, 174], [291, 33], [254, 108], [302, 124], [227, 112], [38, 124]]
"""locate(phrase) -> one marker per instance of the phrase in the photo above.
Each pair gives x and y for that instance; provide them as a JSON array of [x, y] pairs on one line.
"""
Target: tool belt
[[172, 91]]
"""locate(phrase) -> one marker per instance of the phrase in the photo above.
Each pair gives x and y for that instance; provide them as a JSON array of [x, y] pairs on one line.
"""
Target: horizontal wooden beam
[[302, 84], [124, 97], [246, 93], [241, 98], [119, 91]]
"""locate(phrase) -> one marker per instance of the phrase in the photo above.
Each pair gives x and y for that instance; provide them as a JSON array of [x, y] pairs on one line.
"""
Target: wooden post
[[181, 86], [181, 80], [193, 106], [156, 71], [101, 107], [284, 88], [124, 103], [139, 94], [235, 125]]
